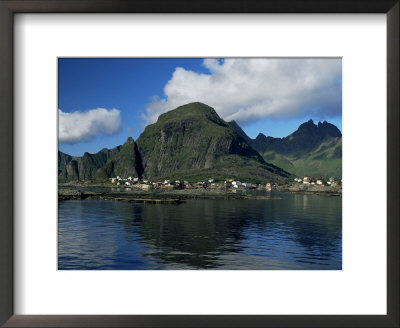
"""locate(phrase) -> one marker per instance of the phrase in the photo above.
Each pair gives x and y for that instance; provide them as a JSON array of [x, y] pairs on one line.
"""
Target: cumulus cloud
[[247, 90], [82, 126]]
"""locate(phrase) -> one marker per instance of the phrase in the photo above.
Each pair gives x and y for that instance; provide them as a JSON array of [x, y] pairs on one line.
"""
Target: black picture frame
[[10, 7]]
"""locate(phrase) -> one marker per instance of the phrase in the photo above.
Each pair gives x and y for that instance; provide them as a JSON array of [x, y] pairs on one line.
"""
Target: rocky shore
[[69, 194], [154, 196], [177, 196], [311, 189]]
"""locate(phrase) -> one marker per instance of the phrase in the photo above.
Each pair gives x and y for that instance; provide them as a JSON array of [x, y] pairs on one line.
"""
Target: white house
[[145, 187]]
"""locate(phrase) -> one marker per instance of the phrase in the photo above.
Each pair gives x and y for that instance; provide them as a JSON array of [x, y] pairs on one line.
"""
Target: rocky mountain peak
[[261, 136], [129, 141], [328, 130]]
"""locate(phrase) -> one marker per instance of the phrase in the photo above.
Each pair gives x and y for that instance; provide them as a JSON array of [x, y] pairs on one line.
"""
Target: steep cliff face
[[240, 132], [123, 160], [63, 160], [85, 167], [125, 163], [194, 137]]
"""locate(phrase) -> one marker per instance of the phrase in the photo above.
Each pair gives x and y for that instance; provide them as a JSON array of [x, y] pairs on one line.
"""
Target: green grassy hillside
[[193, 138]]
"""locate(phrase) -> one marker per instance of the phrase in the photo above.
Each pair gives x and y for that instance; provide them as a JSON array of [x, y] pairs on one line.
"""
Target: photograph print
[[199, 163]]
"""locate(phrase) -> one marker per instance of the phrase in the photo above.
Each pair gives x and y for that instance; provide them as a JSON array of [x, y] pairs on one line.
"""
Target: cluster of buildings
[[307, 180], [145, 184], [231, 183], [127, 181]]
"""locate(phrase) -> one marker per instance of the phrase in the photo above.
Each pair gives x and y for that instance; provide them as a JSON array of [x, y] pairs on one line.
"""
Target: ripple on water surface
[[300, 232]]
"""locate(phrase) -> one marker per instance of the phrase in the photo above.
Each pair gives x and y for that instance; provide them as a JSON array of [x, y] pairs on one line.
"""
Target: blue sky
[[104, 101]]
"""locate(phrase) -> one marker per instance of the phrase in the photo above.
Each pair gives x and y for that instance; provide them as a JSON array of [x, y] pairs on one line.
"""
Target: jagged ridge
[[191, 140]]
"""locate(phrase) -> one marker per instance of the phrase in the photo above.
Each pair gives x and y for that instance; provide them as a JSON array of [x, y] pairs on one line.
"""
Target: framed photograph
[[190, 186], [201, 175]]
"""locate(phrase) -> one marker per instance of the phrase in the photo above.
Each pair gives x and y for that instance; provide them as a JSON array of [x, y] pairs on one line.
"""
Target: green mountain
[[193, 142], [63, 160], [127, 162], [240, 132], [85, 167], [312, 149]]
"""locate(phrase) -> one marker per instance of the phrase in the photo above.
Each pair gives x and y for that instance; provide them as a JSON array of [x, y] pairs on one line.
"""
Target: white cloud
[[247, 90], [79, 126]]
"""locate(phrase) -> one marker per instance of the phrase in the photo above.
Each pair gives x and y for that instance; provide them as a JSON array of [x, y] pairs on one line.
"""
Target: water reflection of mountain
[[290, 231], [197, 234]]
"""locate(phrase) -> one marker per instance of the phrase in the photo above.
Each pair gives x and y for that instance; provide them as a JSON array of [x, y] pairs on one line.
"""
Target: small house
[[145, 186], [188, 185]]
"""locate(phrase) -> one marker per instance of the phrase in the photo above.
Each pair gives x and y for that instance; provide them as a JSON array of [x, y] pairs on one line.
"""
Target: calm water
[[290, 231]]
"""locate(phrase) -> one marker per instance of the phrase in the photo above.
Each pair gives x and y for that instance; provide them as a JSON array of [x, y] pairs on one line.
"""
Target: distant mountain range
[[192, 142], [313, 149]]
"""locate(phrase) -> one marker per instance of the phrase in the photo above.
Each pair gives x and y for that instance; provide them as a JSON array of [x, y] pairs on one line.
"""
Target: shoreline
[[160, 196], [167, 197], [311, 190]]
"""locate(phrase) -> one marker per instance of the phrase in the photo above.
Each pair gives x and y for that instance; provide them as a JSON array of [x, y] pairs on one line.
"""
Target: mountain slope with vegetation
[[189, 142], [313, 149], [125, 163], [192, 140], [84, 167]]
